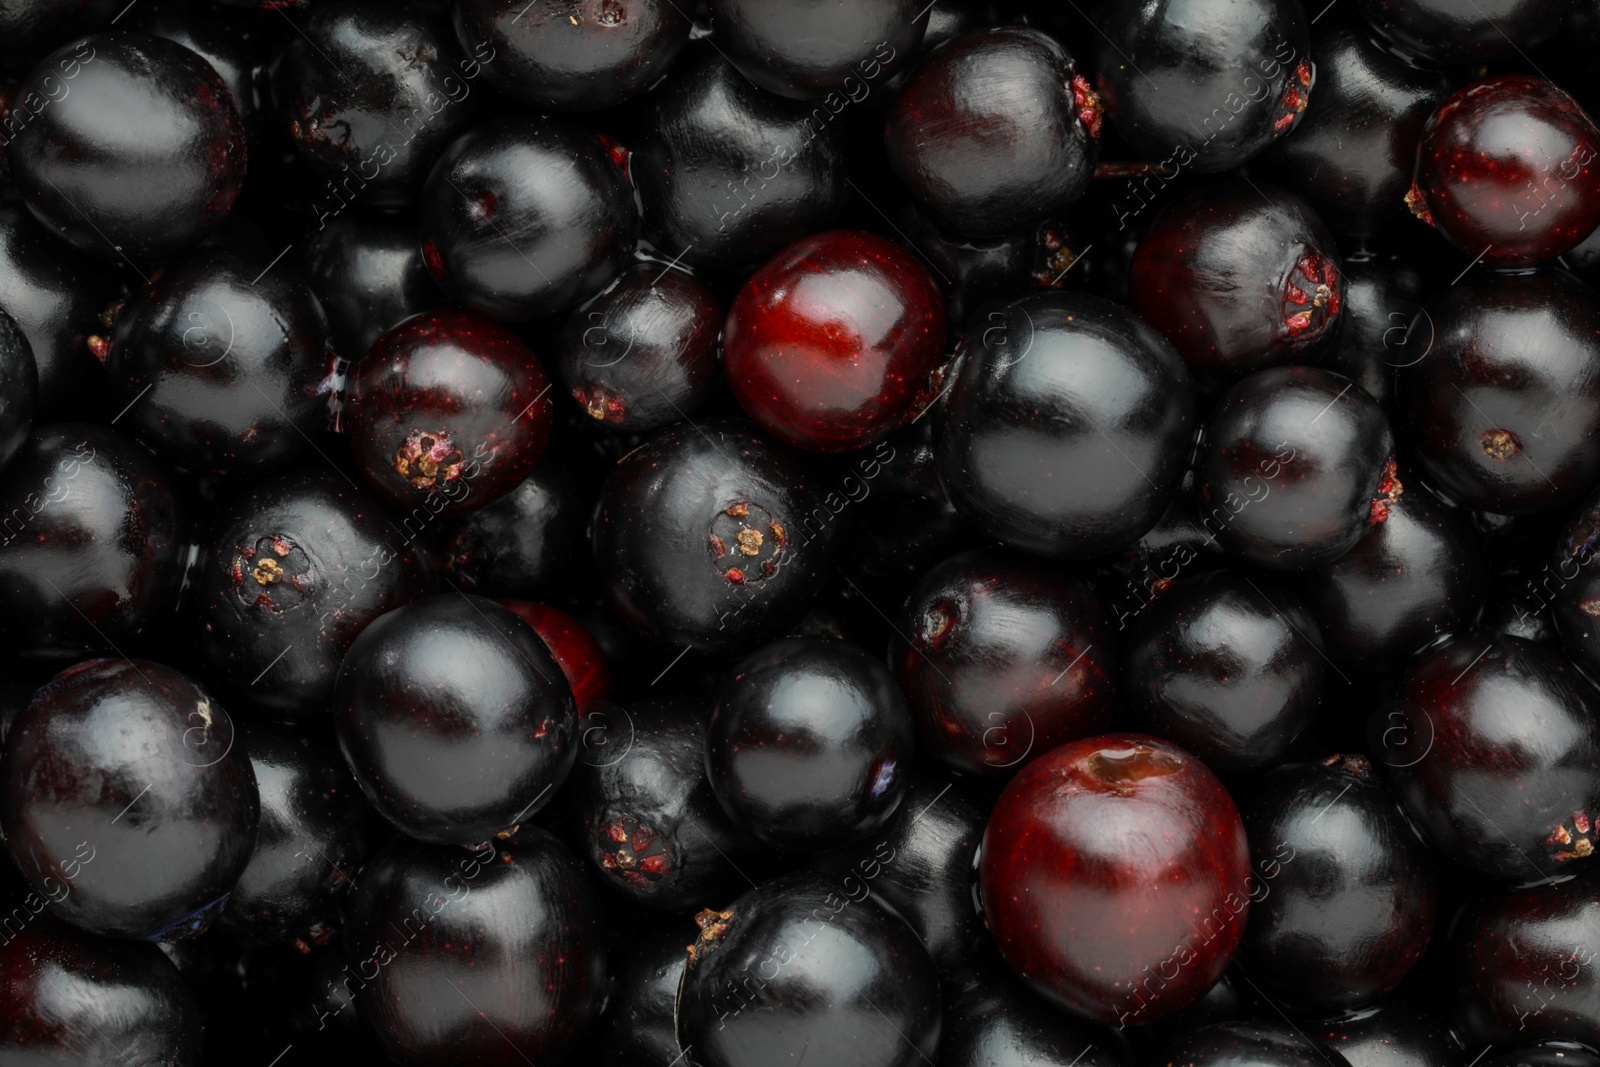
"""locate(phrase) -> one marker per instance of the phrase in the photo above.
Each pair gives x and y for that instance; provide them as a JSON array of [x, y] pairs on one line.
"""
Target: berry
[[1066, 428], [161, 127], [809, 744], [994, 130], [1506, 171], [1108, 862], [19, 388], [369, 277], [777, 47], [448, 413], [828, 344], [443, 759]]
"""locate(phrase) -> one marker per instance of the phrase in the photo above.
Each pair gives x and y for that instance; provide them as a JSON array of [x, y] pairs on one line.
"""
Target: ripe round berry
[[827, 344], [1507, 170]]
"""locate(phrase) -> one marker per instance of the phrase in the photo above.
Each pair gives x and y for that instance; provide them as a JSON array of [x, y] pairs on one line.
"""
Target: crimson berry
[[827, 344], [1115, 877], [1506, 170], [571, 645]]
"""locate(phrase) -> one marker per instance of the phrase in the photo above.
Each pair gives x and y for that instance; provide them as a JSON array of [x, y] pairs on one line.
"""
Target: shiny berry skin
[[809, 744], [651, 826], [1067, 427], [1257, 1043], [1238, 276], [1228, 666], [920, 862], [1382, 326], [1204, 88], [93, 548], [1546, 1054], [827, 345], [448, 412], [728, 173], [1504, 412], [486, 956], [369, 277], [793, 966], [1298, 465], [238, 45], [1465, 32], [315, 833], [1397, 1034], [993, 1020], [72, 997], [1494, 751], [778, 46], [1419, 573], [369, 93], [1506, 168], [222, 367], [523, 217], [1351, 156], [1002, 658], [151, 822], [29, 27], [638, 1023], [1523, 963], [995, 129], [56, 294], [579, 56], [455, 719], [19, 388], [1107, 861], [643, 354], [571, 645], [293, 567], [1571, 587], [523, 543], [1348, 893], [165, 137], [712, 536]]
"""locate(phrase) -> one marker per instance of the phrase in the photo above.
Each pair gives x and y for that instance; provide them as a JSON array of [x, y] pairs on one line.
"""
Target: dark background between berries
[[800, 533]]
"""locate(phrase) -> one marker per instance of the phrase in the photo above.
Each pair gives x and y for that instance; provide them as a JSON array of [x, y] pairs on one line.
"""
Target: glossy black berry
[[523, 217], [315, 833], [1345, 895], [778, 46], [643, 354], [1351, 156], [1458, 32], [993, 1020], [1259, 1043], [1228, 666], [1494, 750], [1067, 427], [369, 276], [1397, 1034], [579, 56], [56, 294], [72, 997], [488, 955], [794, 968], [728, 173], [29, 27], [1002, 658], [1204, 89], [1382, 327], [995, 129], [650, 824], [712, 536], [370, 92], [1503, 414], [93, 545], [1419, 573], [454, 718], [1298, 465], [222, 364], [152, 822], [160, 124], [809, 744]]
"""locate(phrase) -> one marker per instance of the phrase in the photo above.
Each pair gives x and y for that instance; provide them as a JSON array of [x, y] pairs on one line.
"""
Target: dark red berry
[[827, 345], [1506, 170]]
